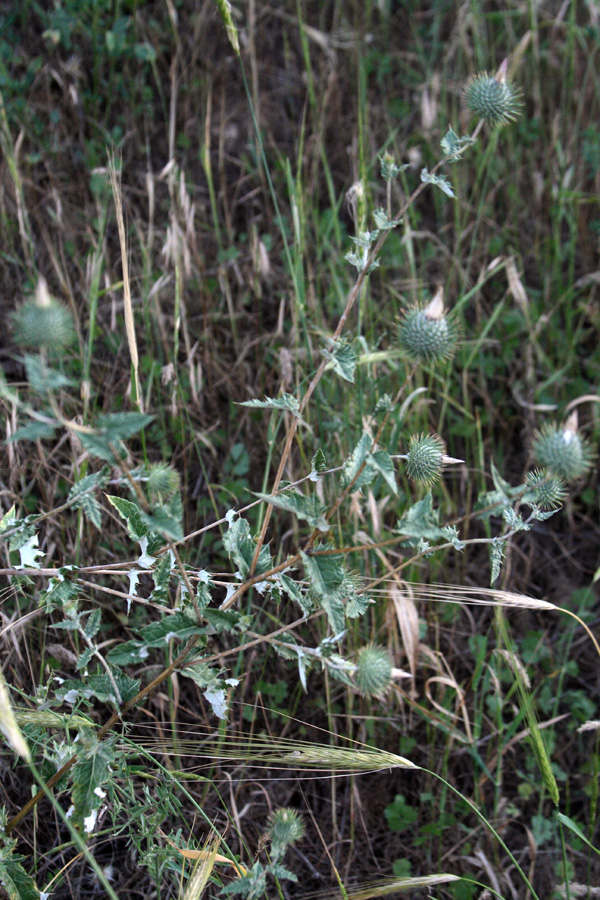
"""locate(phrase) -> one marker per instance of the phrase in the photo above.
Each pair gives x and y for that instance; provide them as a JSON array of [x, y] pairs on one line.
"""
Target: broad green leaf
[[327, 576], [307, 508], [241, 547], [221, 620], [421, 521], [121, 426], [161, 576], [179, 625], [317, 465], [93, 623], [130, 512], [215, 688], [84, 658], [90, 772], [81, 495], [286, 402], [99, 446], [357, 458], [100, 687], [42, 379], [295, 592], [357, 605], [159, 521], [343, 358], [17, 883], [9, 520], [382, 463], [26, 529], [61, 594], [128, 653], [34, 431], [439, 181]]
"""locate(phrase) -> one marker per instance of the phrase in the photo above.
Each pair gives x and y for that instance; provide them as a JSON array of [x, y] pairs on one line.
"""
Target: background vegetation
[[241, 183]]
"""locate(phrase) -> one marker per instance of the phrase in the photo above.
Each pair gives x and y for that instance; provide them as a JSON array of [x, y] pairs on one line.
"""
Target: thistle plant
[[200, 615]]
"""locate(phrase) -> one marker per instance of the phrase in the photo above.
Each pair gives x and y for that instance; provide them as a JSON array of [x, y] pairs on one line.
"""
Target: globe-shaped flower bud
[[285, 827], [43, 322], [374, 673], [425, 458], [494, 99], [427, 334], [163, 482], [560, 449], [545, 489]]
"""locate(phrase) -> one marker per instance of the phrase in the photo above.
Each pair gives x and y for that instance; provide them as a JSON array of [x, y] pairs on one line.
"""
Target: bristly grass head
[[561, 450], [494, 99], [427, 334]]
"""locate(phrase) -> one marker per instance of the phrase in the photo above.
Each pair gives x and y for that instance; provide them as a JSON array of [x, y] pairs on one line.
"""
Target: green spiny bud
[[561, 450], [163, 482], [43, 322], [373, 675], [425, 458], [494, 99], [546, 489], [285, 828], [427, 334]]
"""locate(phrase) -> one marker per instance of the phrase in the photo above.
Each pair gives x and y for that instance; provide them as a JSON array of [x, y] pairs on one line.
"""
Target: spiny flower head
[[163, 481], [427, 334], [561, 450], [494, 99], [545, 489], [373, 675], [43, 322], [285, 827], [425, 458]]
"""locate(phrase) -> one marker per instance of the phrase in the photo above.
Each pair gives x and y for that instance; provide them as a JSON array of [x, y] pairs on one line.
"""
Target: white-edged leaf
[[343, 358], [286, 402], [358, 456], [29, 553], [307, 508], [130, 512], [439, 181]]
